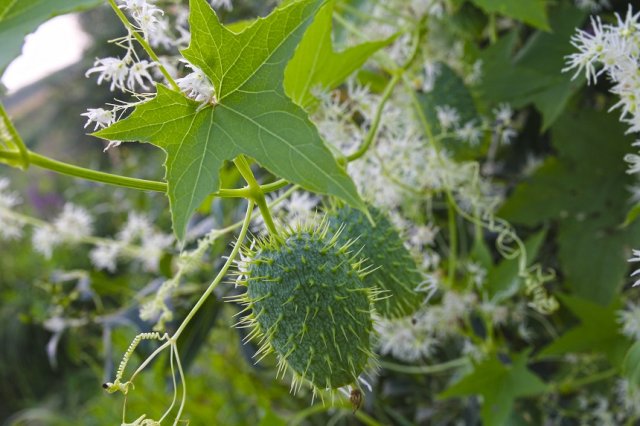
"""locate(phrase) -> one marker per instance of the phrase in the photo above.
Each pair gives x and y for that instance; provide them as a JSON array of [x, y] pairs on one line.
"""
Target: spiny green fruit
[[309, 305], [395, 271]]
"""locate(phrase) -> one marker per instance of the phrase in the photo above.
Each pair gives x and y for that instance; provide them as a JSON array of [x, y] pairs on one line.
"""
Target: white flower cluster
[[147, 16], [71, 226], [593, 6], [138, 232], [635, 258], [197, 86], [415, 338], [222, 4], [123, 73], [629, 318], [614, 50], [10, 227]]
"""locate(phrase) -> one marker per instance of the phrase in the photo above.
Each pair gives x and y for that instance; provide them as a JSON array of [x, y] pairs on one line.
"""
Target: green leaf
[[450, 90], [584, 189], [499, 384], [21, 17], [532, 12], [632, 215], [534, 74], [598, 331], [315, 63], [253, 116], [631, 365]]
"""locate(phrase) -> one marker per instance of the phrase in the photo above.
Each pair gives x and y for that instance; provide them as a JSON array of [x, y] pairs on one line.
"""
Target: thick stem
[[256, 193]]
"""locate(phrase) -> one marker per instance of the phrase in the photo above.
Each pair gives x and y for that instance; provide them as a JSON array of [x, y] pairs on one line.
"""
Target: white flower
[[475, 75], [635, 258], [73, 224], [629, 317], [197, 86], [153, 248], [300, 207], [138, 72], [431, 72], [104, 256], [469, 133], [10, 227], [139, 230], [111, 69], [408, 339], [477, 273], [136, 227], [448, 116], [226, 4], [112, 144], [503, 113], [145, 13], [102, 117], [44, 240], [423, 235], [593, 5], [590, 47]]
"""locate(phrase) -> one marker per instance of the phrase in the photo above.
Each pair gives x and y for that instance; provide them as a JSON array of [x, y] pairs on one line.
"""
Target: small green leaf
[[598, 331], [316, 64], [500, 384], [534, 74], [632, 215], [532, 12], [252, 115], [631, 365], [21, 17]]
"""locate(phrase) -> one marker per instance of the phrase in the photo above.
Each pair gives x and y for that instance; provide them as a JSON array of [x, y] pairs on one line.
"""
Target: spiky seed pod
[[309, 304], [394, 270]]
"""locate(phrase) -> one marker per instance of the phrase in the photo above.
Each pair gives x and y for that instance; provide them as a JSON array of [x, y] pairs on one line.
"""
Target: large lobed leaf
[[534, 74], [598, 331], [21, 17], [533, 12], [500, 382], [253, 116], [585, 190]]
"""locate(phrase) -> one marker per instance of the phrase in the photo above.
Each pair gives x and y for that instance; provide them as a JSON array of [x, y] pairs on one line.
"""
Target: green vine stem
[[453, 240], [171, 342], [425, 369], [89, 174], [123, 181], [147, 48], [23, 152], [221, 274], [388, 90], [572, 385]]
